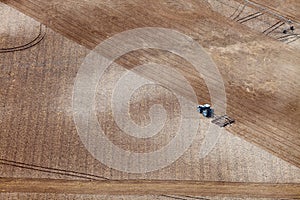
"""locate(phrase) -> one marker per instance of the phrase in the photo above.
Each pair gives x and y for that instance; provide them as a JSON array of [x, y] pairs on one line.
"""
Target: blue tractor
[[206, 110]]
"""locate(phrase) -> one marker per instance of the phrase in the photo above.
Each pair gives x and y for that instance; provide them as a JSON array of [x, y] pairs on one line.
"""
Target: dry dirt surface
[[289, 8], [38, 135]]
